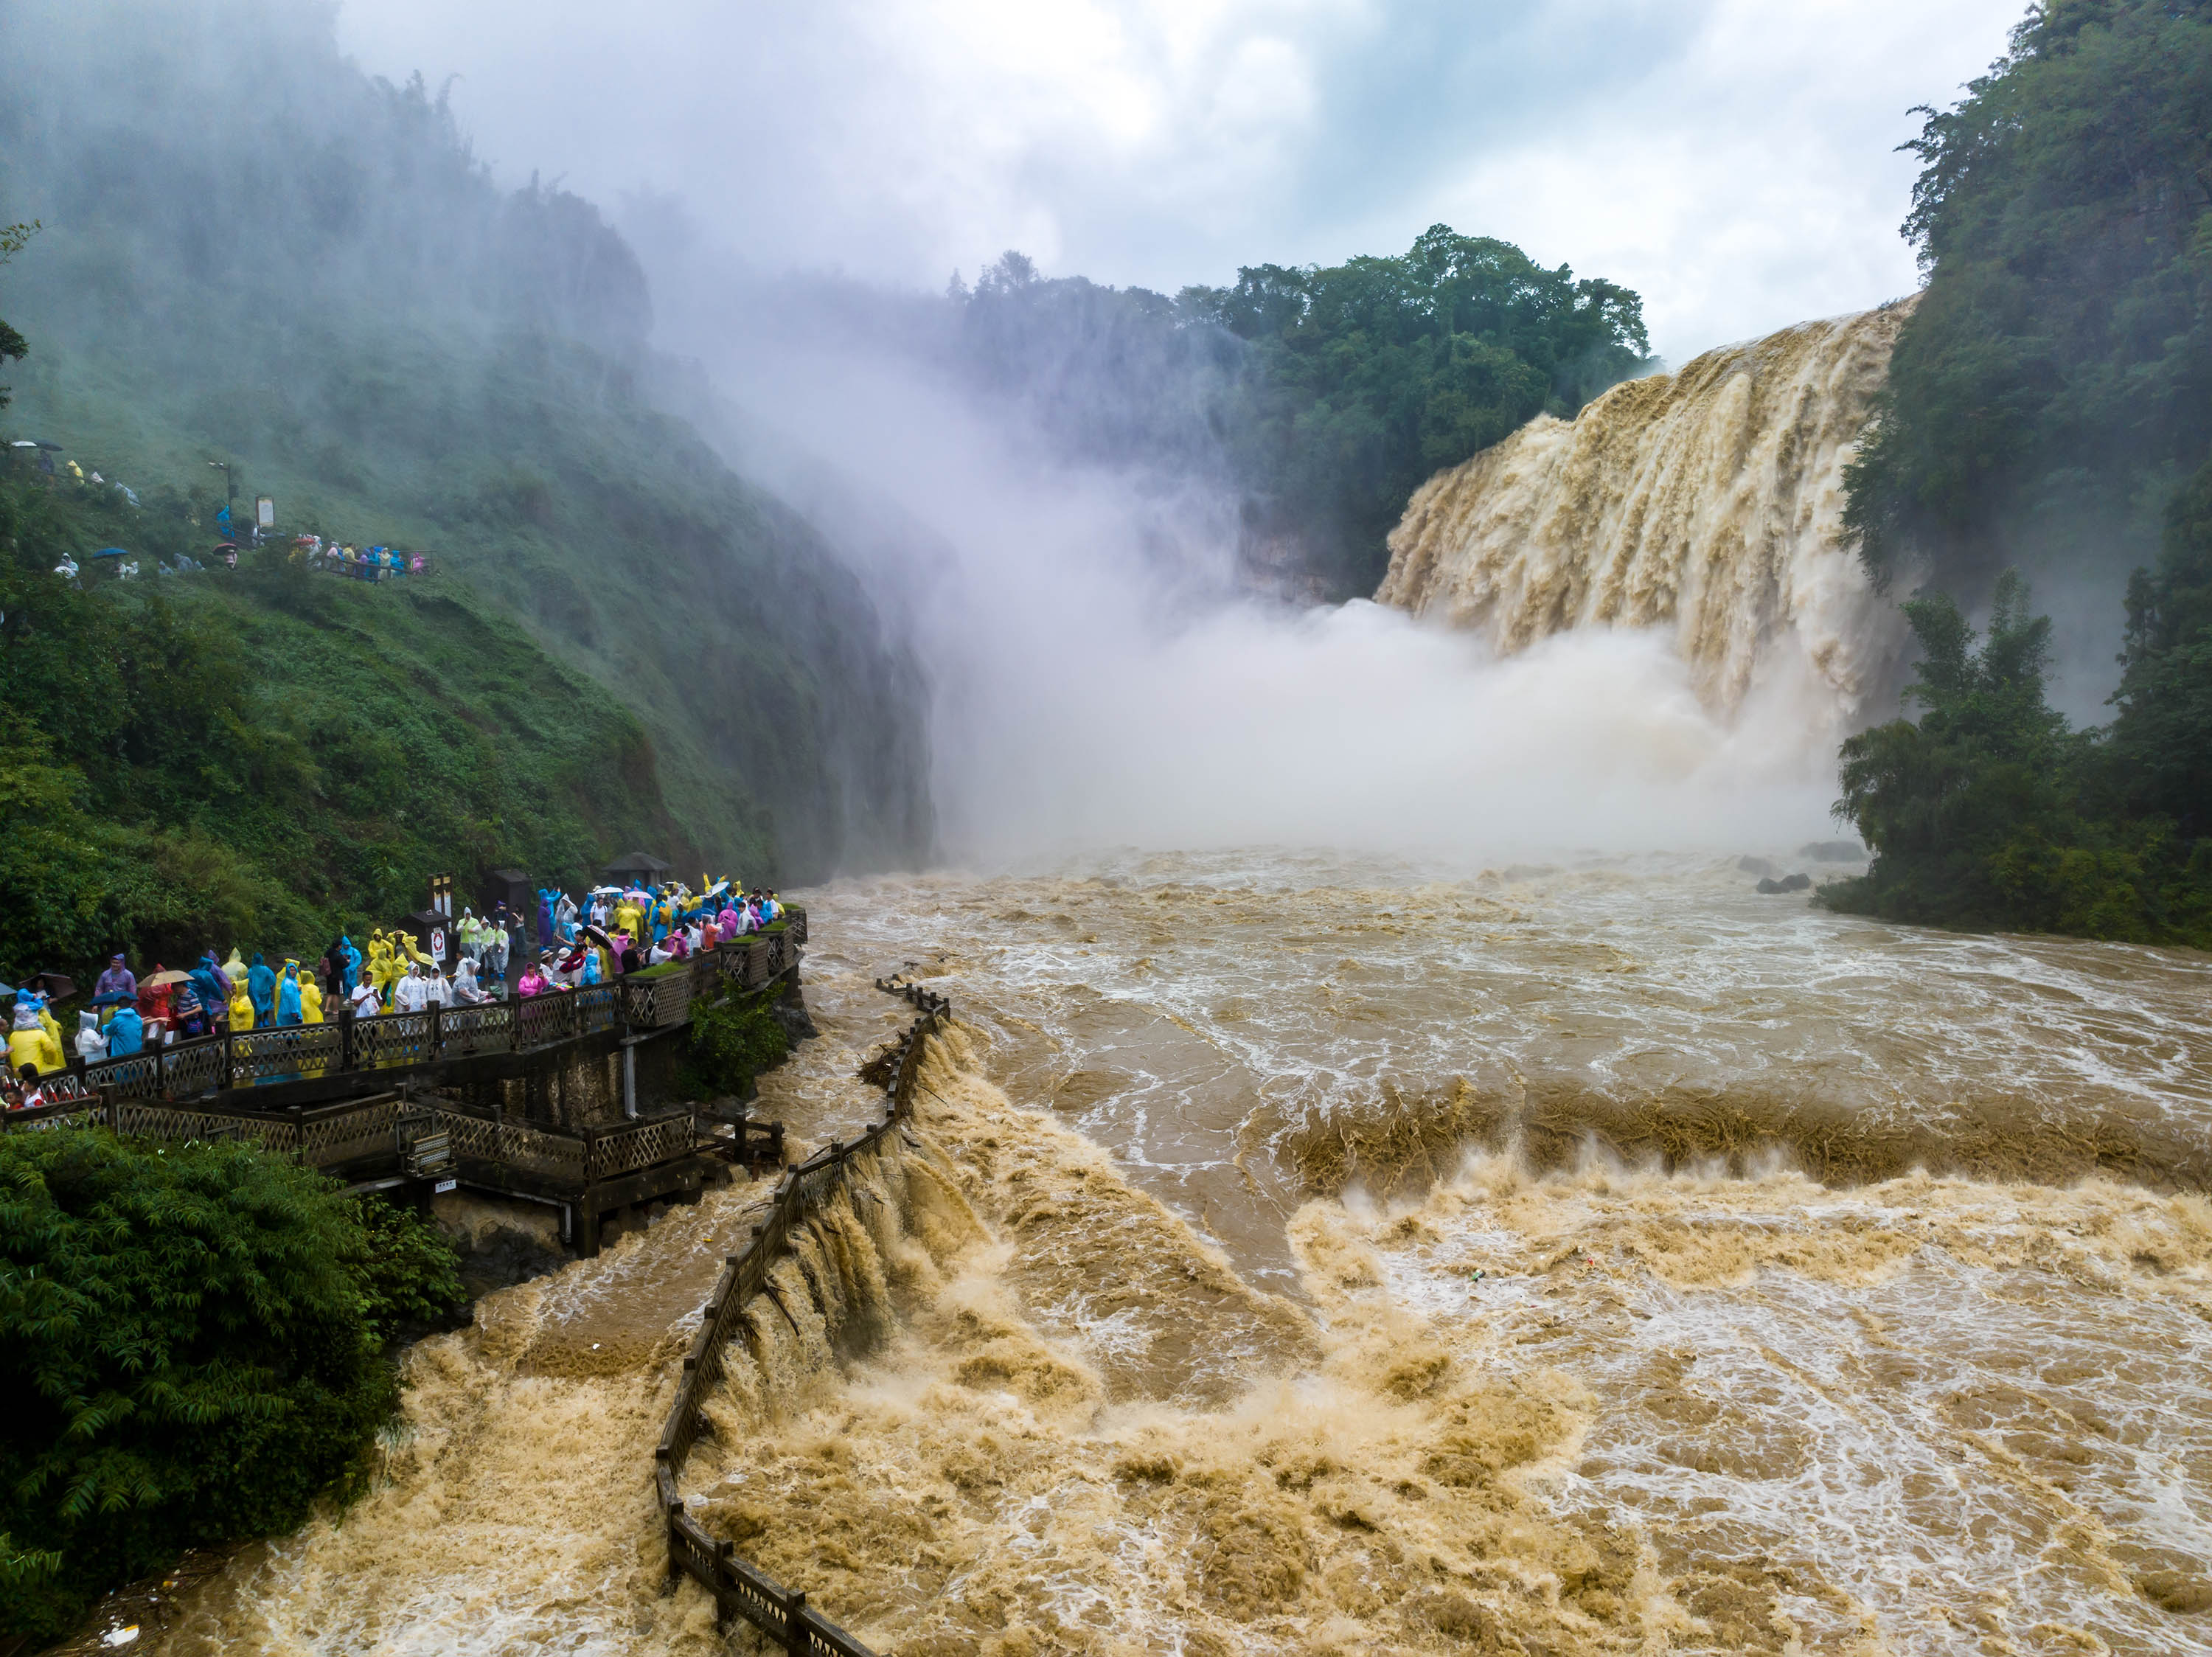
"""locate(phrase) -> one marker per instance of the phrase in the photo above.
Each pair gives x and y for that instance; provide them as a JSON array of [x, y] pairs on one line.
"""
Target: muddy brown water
[[1300, 1253]]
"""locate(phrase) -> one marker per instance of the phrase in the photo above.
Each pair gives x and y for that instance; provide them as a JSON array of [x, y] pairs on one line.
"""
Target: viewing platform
[[547, 1099]]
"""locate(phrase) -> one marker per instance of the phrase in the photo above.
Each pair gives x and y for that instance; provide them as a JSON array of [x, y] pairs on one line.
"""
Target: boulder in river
[[1787, 883]]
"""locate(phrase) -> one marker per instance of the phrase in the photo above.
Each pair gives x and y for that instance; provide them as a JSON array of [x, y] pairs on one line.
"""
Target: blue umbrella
[[111, 552]]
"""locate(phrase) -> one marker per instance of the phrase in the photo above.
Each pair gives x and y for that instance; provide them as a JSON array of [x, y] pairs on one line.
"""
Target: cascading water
[[1710, 500]]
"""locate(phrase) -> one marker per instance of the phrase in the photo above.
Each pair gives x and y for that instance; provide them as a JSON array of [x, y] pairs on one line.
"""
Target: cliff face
[[1709, 499]]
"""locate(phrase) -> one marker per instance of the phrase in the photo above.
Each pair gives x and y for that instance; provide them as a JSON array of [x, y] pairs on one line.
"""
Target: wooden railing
[[741, 1588], [395, 1041], [338, 1133]]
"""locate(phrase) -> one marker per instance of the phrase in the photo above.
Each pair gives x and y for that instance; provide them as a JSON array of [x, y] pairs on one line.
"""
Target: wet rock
[[1787, 883], [501, 1242], [1757, 866]]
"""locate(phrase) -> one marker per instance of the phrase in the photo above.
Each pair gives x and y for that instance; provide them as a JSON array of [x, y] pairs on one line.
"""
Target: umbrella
[[111, 552], [33, 442], [169, 976], [57, 986], [112, 998], [606, 892]]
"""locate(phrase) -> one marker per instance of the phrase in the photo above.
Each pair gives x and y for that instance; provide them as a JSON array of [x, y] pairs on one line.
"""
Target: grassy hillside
[[624, 641]]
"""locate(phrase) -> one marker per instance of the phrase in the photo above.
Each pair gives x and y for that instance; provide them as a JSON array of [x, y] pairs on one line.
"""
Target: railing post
[[345, 1038], [794, 1626], [437, 1029], [229, 1041]]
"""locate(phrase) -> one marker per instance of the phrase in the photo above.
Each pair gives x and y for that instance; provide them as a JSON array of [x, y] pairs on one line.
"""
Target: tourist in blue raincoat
[[126, 1031], [288, 995], [261, 990]]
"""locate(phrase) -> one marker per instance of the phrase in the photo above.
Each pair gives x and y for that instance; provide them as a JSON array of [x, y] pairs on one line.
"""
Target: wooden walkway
[[338, 1096]]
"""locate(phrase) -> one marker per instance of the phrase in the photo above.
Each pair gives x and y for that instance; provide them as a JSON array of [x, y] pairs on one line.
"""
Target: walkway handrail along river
[[737, 1586]]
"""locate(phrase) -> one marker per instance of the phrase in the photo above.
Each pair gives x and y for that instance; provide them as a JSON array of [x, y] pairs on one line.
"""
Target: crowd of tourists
[[612, 931], [362, 564]]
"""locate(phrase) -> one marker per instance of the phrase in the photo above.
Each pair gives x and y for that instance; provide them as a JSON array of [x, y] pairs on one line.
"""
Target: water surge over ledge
[[1710, 500]]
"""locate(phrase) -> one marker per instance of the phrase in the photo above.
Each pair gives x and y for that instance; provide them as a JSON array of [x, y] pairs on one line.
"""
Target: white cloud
[[1732, 161]]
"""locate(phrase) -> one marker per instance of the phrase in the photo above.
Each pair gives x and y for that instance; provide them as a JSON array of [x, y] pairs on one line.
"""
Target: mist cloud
[[1731, 160]]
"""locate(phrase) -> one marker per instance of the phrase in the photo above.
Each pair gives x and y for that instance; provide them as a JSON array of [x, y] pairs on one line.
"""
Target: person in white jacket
[[412, 993]]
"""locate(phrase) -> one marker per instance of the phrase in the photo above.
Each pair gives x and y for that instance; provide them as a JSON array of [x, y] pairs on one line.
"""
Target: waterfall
[[1710, 500]]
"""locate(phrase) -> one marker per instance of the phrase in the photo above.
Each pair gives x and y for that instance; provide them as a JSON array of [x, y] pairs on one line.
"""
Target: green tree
[[2161, 740], [13, 347], [1368, 376], [2060, 361], [191, 1342], [1991, 813]]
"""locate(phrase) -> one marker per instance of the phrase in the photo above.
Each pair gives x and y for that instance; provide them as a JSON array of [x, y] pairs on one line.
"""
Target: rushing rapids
[[1300, 1254], [1709, 499]]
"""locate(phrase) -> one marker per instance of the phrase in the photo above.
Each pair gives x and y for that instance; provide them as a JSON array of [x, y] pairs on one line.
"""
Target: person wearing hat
[[261, 988], [412, 993], [126, 1031], [118, 979], [214, 988], [30, 1043], [287, 1008]]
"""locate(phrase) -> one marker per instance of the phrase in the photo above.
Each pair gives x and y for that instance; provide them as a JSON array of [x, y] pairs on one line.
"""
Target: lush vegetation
[[268, 756], [1318, 397], [191, 1343], [1990, 812], [623, 643], [1366, 377], [2056, 380], [733, 1039], [2051, 392]]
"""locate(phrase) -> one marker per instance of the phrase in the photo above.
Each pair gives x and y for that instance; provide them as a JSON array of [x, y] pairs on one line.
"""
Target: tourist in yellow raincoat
[[241, 1010], [36, 1039], [382, 967]]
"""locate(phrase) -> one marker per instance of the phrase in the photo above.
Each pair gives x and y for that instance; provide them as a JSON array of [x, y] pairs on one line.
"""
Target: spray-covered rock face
[[1710, 500]]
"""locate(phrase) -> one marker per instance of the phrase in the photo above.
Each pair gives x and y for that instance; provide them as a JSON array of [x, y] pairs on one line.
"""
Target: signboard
[[441, 895], [265, 512], [438, 944], [444, 1186]]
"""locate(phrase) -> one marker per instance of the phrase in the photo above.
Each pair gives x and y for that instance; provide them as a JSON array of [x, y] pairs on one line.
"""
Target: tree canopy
[[2058, 371], [1368, 376], [1317, 398], [191, 1346]]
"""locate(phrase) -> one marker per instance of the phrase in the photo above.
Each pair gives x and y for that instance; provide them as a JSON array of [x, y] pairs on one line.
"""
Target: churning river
[[1301, 1254]]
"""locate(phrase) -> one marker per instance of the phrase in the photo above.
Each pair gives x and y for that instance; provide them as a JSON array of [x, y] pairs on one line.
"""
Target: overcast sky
[[1731, 159]]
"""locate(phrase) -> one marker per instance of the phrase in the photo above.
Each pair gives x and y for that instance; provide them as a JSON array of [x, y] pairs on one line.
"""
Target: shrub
[[732, 1041], [191, 1342]]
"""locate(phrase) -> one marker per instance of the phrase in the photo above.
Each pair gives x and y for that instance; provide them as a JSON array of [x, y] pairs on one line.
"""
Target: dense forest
[[2049, 402], [1318, 398], [622, 643], [194, 1341]]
